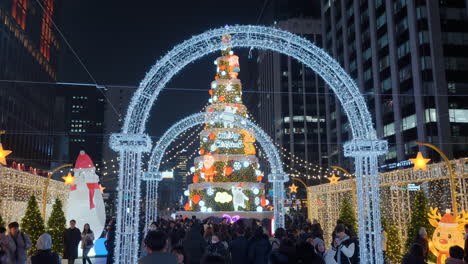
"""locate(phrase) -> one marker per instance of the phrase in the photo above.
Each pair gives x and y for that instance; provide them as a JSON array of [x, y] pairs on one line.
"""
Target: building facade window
[[18, 12], [409, 122], [389, 129]]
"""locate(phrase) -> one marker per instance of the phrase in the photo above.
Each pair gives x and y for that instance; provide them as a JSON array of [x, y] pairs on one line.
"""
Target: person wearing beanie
[[44, 254]]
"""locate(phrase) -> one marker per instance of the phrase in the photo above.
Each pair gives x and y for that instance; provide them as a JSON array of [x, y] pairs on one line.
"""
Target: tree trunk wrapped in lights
[[226, 175]]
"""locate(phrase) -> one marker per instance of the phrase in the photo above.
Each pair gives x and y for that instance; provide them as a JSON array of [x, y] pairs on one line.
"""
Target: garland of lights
[[364, 147]]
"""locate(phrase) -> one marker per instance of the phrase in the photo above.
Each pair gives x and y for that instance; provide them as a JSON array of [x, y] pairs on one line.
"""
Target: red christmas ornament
[[222, 67], [196, 198], [263, 202], [202, 151], [259, 178], [227, 171], [187, 207], [211, 136], [210, 110], [210, 92], [195, 178], [221, 98]]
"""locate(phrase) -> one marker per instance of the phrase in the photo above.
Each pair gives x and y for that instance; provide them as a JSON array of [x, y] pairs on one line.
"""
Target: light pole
[[353, 182], [46, 187], [451, 173]]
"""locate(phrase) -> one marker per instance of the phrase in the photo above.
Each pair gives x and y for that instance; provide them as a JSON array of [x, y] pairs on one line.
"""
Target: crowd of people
[[216, 241], [14, 245]]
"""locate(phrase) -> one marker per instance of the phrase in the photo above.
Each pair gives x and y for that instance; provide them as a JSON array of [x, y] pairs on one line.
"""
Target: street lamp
[[353, 182], [419, 160], [46, 187]]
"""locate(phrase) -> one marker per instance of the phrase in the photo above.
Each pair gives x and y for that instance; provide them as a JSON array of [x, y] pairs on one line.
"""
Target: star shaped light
[[3, 154], [69, 179], [102, 188], [333, 179], [419, 162], [293, 188]]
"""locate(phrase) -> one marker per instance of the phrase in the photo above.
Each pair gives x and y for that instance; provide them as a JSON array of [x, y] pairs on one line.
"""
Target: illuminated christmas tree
[[32, 223], [56, 225], [226, 175]]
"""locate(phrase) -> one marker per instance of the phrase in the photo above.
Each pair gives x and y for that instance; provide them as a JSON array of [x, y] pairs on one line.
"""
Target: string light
[[364, 147], [16, 187], [396, 197]]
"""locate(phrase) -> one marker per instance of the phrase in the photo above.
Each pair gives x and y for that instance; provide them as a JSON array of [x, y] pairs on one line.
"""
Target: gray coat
[[8, 245], [22, 243]]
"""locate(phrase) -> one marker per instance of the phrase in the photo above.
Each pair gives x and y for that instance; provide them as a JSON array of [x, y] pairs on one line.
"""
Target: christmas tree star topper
[[419, 162], [3, 154], [293, 188], [333, 179], [69, 179]]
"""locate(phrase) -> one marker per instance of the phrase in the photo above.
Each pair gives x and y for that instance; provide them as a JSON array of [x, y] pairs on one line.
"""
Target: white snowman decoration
[[85, 203], [239, 197]]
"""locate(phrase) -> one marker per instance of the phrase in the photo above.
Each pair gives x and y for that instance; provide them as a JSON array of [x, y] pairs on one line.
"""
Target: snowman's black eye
[[438, 234], [449, 236]]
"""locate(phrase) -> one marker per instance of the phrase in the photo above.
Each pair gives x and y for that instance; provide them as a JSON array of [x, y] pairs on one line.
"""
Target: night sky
[[119, 41]]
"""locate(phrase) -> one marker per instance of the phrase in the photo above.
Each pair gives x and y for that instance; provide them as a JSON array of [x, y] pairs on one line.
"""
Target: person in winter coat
[[144, 252], [216, 248], [280, 233], [87, 242], [157, 243], [194, 245], [259, 248], [71, 239], [239, 247], [456, 255], [44, 254], [22, 243], [422, 240], [307, 255], [110, 242], [347, 247], [7, 246], [330, 253], [415, 255]]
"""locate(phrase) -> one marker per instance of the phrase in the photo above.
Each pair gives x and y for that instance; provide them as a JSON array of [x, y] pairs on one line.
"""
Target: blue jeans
[[85, 255]]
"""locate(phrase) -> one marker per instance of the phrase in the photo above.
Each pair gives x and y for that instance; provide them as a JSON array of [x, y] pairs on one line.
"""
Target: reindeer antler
[[434, 214]]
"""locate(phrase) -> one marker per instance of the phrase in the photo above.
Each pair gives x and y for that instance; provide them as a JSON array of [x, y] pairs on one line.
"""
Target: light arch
[[365, 147]]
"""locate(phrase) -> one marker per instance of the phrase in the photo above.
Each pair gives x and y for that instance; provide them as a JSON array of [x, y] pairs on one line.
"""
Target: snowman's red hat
[[83, 161]]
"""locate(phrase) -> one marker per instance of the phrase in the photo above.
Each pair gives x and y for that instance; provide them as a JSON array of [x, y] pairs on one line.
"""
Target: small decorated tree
[[32, 223], [56, 225], [419, 218], [393, 244], [347, 214]]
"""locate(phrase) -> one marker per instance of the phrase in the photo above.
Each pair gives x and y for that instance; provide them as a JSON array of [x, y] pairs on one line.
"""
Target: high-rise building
[[84, 108], [410, 62], [114, 111], [28, 52], [180, 174], [290, 104]]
